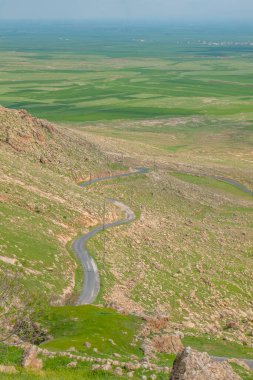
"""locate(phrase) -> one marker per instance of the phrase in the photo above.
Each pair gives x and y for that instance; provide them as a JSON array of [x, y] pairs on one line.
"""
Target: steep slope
[[40, 141], [41, 207]]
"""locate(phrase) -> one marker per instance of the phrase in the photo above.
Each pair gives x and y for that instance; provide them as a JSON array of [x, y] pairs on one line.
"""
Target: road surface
[[91, 285]]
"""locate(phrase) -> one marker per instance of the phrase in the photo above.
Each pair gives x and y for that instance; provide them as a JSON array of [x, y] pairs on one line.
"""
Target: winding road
[[91, 285], [236, 184]]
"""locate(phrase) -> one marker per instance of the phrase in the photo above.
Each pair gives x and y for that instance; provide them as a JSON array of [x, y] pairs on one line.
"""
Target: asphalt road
[[236, 184], [91, 283]]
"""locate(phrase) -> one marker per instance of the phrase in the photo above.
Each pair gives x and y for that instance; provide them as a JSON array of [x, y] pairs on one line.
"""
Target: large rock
[[193, 365], [30, 359], [169, 344]]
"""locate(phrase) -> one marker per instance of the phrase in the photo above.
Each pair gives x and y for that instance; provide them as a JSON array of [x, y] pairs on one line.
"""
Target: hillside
[[41, 206], [42, 142], [185, 225]]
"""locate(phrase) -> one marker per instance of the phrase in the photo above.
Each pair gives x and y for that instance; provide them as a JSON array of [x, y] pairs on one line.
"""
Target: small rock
[[231, 325], [112, 342], [72, 349], [106, 367], [130, 375], [153, 377], [118, 371], [95, 350], [117, 355], [180, 334], [87, 344], [131, 366], [8, 369], [72, 365], [144, 377]]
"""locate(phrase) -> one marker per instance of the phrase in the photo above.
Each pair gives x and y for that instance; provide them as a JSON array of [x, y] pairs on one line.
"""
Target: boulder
[[193, 365], [30, 359], [169, 344]]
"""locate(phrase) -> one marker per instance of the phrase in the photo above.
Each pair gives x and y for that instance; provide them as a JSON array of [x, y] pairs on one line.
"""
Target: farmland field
[[77, 73]]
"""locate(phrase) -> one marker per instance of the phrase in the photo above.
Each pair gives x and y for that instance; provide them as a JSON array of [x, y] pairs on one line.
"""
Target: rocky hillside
[[40, 141], [41, 207]]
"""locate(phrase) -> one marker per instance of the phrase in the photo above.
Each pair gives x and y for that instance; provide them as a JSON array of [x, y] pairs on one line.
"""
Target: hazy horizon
[[129, 10]]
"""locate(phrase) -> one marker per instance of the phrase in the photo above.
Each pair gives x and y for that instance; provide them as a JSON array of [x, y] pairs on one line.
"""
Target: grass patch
[[73, 326], [212, 183], [217, 347]]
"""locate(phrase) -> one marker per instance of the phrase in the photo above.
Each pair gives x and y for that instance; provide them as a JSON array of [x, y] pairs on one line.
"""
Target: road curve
[[91, 283], [94, 180], [236, 184]]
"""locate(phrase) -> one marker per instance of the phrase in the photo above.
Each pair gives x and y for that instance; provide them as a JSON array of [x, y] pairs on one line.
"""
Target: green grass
[[213, 183], [218, 347], [245, 375], [73, 326], [10, 355], [111, 79]]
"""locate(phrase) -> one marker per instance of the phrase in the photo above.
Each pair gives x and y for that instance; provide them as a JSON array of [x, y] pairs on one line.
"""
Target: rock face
[[193, 365], [30, 359]]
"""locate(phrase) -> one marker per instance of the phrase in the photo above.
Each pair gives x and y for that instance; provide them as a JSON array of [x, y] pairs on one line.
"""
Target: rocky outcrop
[[193, 365]]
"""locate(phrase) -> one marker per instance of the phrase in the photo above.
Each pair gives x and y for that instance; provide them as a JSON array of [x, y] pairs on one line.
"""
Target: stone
[[153, 377], [180, 334], [130, 375], [72, 365], [118, 371], [72, 349], [232, 325], [132, 366], [8, 369], [30, 359], [106, 367], [193, 365], [87, 344]]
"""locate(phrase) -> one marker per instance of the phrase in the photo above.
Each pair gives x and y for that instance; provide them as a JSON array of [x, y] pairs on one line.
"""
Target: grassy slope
[[183, 232], [41, 206]]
